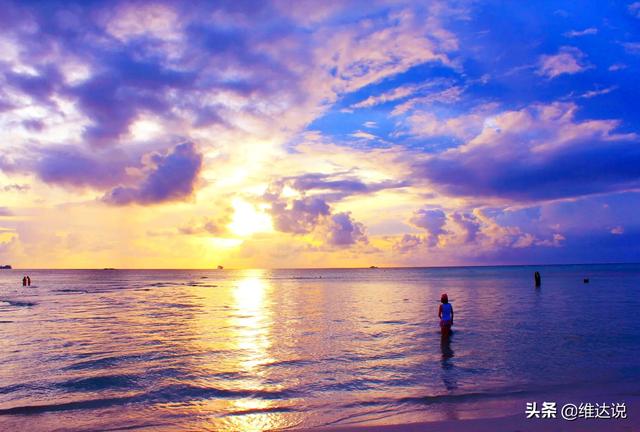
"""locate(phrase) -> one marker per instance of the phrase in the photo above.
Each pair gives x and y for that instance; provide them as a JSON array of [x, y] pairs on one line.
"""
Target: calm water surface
[[260, 349]]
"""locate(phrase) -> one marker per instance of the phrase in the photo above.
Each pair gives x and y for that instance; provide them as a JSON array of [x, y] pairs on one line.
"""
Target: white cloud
[[569, 60], [392, 95], [617, 66], [578, 33], [447, 96], [594, 93], [363, 135], [632, 47], [466, 126]]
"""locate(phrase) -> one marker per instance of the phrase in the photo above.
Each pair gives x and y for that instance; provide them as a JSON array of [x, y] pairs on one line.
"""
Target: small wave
[[99, 383], [164, 284], [260, 411], [435, 399], [17, 303], [201, 284], [175, 393], [13, 388], [71, 291], [184, 392], [100, 363], [428, 400], [65, 406], [295, 362], [354, 385]]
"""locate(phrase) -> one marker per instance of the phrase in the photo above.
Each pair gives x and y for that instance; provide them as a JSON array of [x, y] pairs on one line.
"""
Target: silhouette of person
[[537, 278], [24, 281], [28, 281]]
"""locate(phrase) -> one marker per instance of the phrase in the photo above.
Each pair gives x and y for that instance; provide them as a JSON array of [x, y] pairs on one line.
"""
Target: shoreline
[[501, 418], [512, 423]]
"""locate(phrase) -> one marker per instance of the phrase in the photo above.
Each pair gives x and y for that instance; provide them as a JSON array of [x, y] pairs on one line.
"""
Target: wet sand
[[502, 424], [511, 423]]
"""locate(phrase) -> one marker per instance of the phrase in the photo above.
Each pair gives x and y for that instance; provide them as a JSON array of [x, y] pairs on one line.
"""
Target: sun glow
[[247, 219]]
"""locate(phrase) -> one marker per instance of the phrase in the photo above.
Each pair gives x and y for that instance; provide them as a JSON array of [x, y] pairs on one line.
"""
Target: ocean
[[279, 349]]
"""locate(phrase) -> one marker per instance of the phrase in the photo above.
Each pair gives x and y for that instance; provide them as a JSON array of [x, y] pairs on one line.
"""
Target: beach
[[323, 350]]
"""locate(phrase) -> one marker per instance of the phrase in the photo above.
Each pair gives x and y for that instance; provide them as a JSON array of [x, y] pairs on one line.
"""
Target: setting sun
[[247, 219]]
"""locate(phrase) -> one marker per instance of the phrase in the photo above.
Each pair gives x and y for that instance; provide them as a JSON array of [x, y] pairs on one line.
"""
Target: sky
[[271, 134]]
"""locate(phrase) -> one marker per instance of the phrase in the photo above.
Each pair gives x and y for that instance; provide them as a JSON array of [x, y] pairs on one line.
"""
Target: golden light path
[[253, 339], [243, 331]]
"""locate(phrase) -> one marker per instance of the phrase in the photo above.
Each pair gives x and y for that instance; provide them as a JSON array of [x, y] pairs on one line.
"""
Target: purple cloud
[[207, 226], [344, 231], [301, 217], [540, 152], [172, 177], [71, 166], [408, 243], [16, 187], [469, 224], [340, 185], [40, 86], [313, 214], [433, 221]]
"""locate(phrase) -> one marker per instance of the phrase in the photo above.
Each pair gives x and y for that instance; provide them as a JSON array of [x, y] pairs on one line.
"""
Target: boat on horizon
[[5, 267]]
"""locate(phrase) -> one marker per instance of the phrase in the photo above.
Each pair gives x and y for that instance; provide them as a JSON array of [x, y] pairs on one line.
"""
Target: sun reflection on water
[[252, 320], [253, 340]]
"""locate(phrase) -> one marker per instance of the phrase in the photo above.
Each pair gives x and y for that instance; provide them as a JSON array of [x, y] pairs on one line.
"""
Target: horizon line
[[380, 267]]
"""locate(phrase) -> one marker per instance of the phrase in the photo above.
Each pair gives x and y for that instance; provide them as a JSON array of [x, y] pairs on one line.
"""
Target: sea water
[[265, 349]]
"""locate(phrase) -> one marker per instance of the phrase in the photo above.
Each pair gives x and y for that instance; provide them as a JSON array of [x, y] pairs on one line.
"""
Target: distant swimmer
[[28, 281], [537, 278], [445, 313], [24, 281]]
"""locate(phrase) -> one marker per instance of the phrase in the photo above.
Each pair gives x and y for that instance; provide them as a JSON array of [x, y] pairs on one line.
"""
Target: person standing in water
[[29, 280], [24, 281], [445, 313]]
